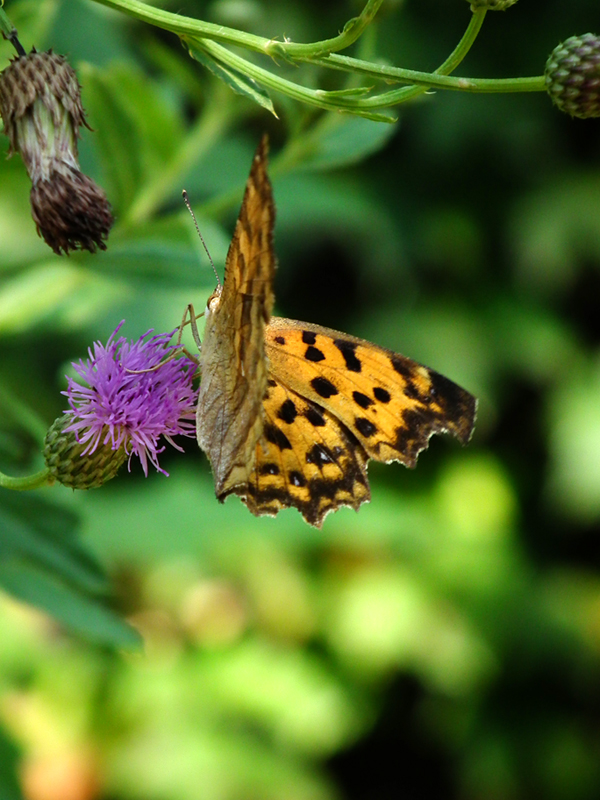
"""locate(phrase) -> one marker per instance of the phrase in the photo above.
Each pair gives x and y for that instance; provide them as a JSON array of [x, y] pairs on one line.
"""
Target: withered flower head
[[40, 103]]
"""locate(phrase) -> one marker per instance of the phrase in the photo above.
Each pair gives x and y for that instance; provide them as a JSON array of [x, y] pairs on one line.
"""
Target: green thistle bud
[[491, 5], [40, 103], [69, 465], [573, 76]]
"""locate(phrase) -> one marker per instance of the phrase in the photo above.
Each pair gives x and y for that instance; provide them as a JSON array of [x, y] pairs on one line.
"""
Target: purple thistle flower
[[126, 409]]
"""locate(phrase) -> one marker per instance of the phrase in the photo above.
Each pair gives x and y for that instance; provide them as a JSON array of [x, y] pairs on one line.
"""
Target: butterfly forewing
[[390, 403], [233, 364]]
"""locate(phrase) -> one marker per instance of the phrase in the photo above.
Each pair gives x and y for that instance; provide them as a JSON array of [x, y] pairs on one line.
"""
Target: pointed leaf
[[237, 81]]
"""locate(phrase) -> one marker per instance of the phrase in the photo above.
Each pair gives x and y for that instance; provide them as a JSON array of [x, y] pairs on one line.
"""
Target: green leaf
[[340, 141], [115, 135], [43, 563], [165, 250], [35, 293], [44, 534], [138, 130], [67, 605], [241, 84]]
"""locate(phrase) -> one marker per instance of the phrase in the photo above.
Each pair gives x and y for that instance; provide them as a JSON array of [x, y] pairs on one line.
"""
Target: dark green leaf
[[9, 759], [338, 142], [70, 607], [45, 534]]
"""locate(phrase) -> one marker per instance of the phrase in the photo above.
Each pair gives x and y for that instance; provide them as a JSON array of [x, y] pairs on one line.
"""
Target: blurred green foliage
[[445, 641]]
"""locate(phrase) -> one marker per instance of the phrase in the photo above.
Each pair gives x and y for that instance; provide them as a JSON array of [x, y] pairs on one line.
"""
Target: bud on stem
[[69, 465], [573, 76]]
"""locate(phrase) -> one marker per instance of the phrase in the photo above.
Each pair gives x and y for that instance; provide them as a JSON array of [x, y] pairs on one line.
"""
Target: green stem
[[351, 32], [8, 30], [439, 79], [186, 26], [192, 28], [206, 36], [453, 60], [429, 80], [362, 106], [467, 41], [270, 81], [36, 481]]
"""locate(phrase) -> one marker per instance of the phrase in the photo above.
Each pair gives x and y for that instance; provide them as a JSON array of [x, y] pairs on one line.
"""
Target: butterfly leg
[[192, 322]]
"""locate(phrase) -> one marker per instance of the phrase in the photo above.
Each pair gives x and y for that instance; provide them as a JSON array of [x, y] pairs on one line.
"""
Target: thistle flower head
[[573, 75], [124, 411], [40, 103]]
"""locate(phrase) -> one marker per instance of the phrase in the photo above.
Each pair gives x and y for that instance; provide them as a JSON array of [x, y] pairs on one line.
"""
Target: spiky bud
[[69, 465], [40, 103], [573, 76], [491, 5]]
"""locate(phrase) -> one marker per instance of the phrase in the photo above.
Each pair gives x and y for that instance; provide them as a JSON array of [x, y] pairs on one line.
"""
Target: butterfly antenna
[[186, 200]]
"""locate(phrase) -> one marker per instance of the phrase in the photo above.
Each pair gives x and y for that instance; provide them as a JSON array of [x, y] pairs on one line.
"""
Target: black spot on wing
[[296, 478], [348, 351], [308, 337], [319, 454], [323, 495], [314, 354], [381, 394], [314, 417], [277, 437], [411, 390], [271, 382], [269, 469], [323, 387], [402, 366], [365, 426], [280, 340], [287, 412], [362, 399]]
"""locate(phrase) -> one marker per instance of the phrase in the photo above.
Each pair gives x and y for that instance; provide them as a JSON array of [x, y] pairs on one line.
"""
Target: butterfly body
[[289, 413]]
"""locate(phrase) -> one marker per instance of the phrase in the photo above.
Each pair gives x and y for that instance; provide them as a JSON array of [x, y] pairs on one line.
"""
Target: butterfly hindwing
[[306, 459]]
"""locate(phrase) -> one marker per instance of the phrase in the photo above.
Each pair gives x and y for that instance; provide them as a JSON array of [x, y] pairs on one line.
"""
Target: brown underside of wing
[[233, 361]]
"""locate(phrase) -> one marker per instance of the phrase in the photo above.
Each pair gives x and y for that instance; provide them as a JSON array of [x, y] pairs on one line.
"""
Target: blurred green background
[[444, 641]]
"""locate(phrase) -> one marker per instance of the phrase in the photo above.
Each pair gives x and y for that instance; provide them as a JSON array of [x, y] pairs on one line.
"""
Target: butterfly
[[289, 413]]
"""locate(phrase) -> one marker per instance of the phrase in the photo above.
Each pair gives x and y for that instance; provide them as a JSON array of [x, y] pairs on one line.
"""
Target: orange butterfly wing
[[393, 405], [289, 413]]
